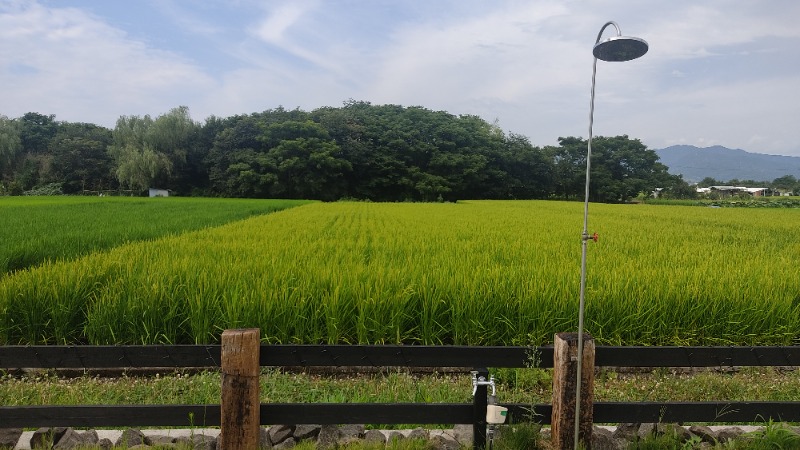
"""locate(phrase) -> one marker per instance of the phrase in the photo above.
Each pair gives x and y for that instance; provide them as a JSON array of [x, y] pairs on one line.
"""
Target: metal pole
[[584, 239], [479, 402]]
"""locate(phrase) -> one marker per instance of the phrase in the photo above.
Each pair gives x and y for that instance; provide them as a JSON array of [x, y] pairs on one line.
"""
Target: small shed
[[757, 192], [154, 192]]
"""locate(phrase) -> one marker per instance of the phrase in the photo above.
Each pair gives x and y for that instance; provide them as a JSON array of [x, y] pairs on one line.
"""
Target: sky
[[718, 72]]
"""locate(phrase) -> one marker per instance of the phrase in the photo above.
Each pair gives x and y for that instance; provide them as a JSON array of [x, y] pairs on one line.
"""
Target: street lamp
[[614, 49]]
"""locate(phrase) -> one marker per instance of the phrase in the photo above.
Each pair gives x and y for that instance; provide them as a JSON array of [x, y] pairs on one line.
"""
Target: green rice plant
[[37, 229]]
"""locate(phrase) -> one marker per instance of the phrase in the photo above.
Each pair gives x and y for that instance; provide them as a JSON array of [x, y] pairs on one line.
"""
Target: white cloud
[[81, 69], [751, 115], [279, 20], [498, 55], [713, 74]]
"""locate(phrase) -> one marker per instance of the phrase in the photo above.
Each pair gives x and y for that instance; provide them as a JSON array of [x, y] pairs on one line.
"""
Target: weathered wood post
[[565, 376], [239, 407]]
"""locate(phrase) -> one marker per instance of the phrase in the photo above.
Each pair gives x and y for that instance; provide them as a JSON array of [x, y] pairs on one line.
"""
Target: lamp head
[[620, 48]]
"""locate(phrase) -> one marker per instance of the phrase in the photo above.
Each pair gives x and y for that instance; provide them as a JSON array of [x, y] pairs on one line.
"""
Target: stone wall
[[330, 436]]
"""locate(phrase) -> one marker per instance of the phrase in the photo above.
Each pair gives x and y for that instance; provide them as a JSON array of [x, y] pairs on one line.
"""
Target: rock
[[441, 442], [303, 432], [73, 439], [263, 439], [418, 433], [9, 437], [648, 430], [678, 431], [395, 436], [105, 444], [287, 443], [705, 434], [198, 442], [603, 439], [375, 436], [160, 440], [131, 437], [328, 437], [46, 437], [279, 433], [627, 431], [726, 434], [463, 434], [351, 431]]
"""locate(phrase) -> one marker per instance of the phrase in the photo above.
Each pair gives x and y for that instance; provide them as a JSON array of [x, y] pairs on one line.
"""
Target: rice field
[[35, 229], [475, 272]]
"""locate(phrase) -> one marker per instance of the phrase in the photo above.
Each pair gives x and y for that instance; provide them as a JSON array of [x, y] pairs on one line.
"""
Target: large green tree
[[80, 160], [621, 168], [307, 163], [413, 153], [568, 161], [520, 171], [237, 162], [786, 183], [37, 131]]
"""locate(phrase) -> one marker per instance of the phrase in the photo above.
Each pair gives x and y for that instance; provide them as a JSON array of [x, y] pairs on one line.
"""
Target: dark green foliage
[[356, 151]]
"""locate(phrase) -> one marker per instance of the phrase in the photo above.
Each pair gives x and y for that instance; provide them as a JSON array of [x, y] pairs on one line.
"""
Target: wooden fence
[[201, 356]]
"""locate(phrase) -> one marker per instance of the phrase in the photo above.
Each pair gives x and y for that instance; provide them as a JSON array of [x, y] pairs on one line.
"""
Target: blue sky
[[719, 72]]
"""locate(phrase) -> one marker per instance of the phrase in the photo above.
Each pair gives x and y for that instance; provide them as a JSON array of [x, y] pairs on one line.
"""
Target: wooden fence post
[[239, 406], [565, 374]]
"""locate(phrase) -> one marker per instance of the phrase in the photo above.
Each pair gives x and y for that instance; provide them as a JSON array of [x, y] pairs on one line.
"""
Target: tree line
[[356, 151]]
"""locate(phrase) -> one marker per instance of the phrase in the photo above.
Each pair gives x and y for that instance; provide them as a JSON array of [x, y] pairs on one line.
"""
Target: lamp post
[[614, 49]]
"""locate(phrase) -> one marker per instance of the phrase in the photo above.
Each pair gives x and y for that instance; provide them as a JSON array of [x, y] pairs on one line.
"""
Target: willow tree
[[147, 150], [10, 143]]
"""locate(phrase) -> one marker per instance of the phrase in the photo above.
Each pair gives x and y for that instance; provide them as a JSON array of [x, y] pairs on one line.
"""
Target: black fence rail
[[208, 356], [199, 356]]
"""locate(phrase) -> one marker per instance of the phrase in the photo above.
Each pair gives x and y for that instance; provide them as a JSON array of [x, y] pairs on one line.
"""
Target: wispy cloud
[[187, 20], [279, 20], [78, 66]]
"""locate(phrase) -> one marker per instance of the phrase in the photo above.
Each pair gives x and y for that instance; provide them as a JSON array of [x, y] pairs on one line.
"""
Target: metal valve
[[591, 237], [481, 381], [495, 414]]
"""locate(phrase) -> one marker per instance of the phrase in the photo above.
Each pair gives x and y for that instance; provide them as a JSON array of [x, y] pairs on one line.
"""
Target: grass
[[395, 386]]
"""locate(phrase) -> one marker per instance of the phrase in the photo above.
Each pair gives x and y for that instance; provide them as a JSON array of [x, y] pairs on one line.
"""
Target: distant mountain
[[724, 164]]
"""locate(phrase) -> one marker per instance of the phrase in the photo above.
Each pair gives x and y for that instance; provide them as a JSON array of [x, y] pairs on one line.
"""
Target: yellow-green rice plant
[[693, 275], [49, 306], [477, 272]]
